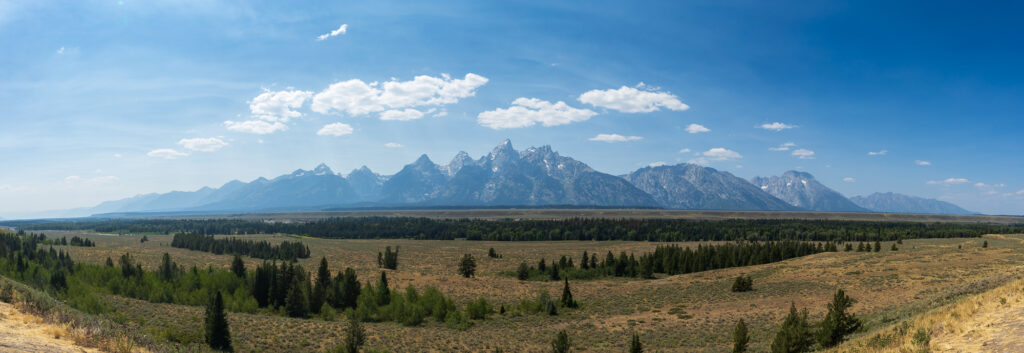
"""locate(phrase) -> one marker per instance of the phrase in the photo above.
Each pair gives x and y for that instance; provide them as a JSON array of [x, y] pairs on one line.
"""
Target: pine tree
[[296, 304], [860, 247], [238, 266], [878, 246], [795, 335], [985, 244], [634, 345], [740, 337], [355, 336], [218, 335], [894, 248], [350, 288], [467, 266], [561, 344], [524, 272], [585, 264], [837, 323], [383, 292], [567, 300], [321, 286]]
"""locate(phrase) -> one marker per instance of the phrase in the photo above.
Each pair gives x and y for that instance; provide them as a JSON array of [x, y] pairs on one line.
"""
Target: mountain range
[[534, 177]]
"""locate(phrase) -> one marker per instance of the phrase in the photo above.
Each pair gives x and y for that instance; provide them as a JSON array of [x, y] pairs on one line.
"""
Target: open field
[[599, 213], [693, 312]]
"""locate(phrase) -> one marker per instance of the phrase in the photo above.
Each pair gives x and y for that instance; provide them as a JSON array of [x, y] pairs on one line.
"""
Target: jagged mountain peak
[[362, 170], [802, 190]]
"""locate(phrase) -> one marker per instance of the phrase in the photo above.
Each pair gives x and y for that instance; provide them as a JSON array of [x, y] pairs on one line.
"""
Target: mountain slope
[[802, 190], [690, 186], [899, 203]]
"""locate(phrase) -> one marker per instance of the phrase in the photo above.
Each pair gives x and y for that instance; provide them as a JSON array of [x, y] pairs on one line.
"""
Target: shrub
[[743, 284], [740, 338], [478, 309]]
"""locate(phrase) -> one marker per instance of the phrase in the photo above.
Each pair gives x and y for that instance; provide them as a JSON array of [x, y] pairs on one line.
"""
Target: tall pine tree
[[740, 338], [635, 346], [218, 335]]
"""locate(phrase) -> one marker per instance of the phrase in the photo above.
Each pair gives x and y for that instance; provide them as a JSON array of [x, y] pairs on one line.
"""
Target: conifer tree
[[350, 288], [218, 335], [383, 292], [837, 323], [585, 264], [634, 345], [878, 246], [237, 266], [321, 286], [894, 248], [355, 336], [561, 344], [567, 300], [524, 272], [795, 335], [296, 304], [467, 266], [740, 339]]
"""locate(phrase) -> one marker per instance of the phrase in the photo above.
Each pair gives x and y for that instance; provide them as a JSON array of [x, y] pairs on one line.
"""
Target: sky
[[102, 100]]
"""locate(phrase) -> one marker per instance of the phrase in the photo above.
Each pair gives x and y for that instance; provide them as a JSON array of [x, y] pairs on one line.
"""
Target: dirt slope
[[26, 333]]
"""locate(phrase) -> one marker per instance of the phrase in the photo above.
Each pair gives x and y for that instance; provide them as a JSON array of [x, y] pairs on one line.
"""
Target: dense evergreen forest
[[287, 250], [670, 259], [530, 230]]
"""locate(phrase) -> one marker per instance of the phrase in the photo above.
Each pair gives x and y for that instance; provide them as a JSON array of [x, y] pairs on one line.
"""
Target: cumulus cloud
[[849, 179], [632, 100], [335, 129], [922, 163], [202, 144], [803, 153], [60, 51], [776, 126], [393, 145], [341, 30], [166, 153], [401, 115], [614, 138], [258, 127], [526, 112], [950, 181], [685, 150], [355, 97], [721, 154], [657, 164], [696, 129], [878, 153], [783, 147]]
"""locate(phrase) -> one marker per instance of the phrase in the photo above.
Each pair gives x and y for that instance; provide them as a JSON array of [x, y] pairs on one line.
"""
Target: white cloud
[[776, 126], [335, 129], [60, 51], [393, 145], [166, 153], [922, 163], [849, 179], [274, 106], [526, 112], [783, 147], [258, 127], [949, 181], [1020, 192], [685, 150], [72, 178], [441, 114], [721, 154], [803, 153], [696, 129], [355, 97], [632, 100], [614, 138], [879, 153], [117, 155], [657, 164], [202, 144], [341, 30], [11, 188], [401, 115], [78, 180]]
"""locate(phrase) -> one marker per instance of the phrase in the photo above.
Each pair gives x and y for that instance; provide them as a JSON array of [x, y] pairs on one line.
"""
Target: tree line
[[263, 249], [670, 259], [532, 230]]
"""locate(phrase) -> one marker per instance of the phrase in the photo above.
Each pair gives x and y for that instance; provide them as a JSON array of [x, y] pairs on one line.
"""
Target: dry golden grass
[[694, 312], [20, 332]]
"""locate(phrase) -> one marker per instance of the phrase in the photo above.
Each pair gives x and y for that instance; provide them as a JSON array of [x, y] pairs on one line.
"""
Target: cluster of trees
[[263, 249], [797, 334], [671, 260], [75, 241], [568, 229], [388, 259]]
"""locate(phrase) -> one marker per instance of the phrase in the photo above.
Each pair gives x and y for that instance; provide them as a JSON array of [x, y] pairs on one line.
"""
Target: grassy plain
[[693, 312]]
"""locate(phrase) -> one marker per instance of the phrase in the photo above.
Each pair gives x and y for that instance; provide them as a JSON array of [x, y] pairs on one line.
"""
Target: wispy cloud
[[849, 179], [335, 129], [696, 129], [716, 154], [657, 164], [202, 144], [526, 112], [783, 147], [633, 100], [803, 153], [341, 30], [776, 126], [950, 181], [166, 153], [614, 138], [685, 150], [922, 163], [393, 145], [878, 153]]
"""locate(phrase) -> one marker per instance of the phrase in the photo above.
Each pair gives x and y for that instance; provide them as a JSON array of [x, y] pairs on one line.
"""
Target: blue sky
[[108, 99]]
